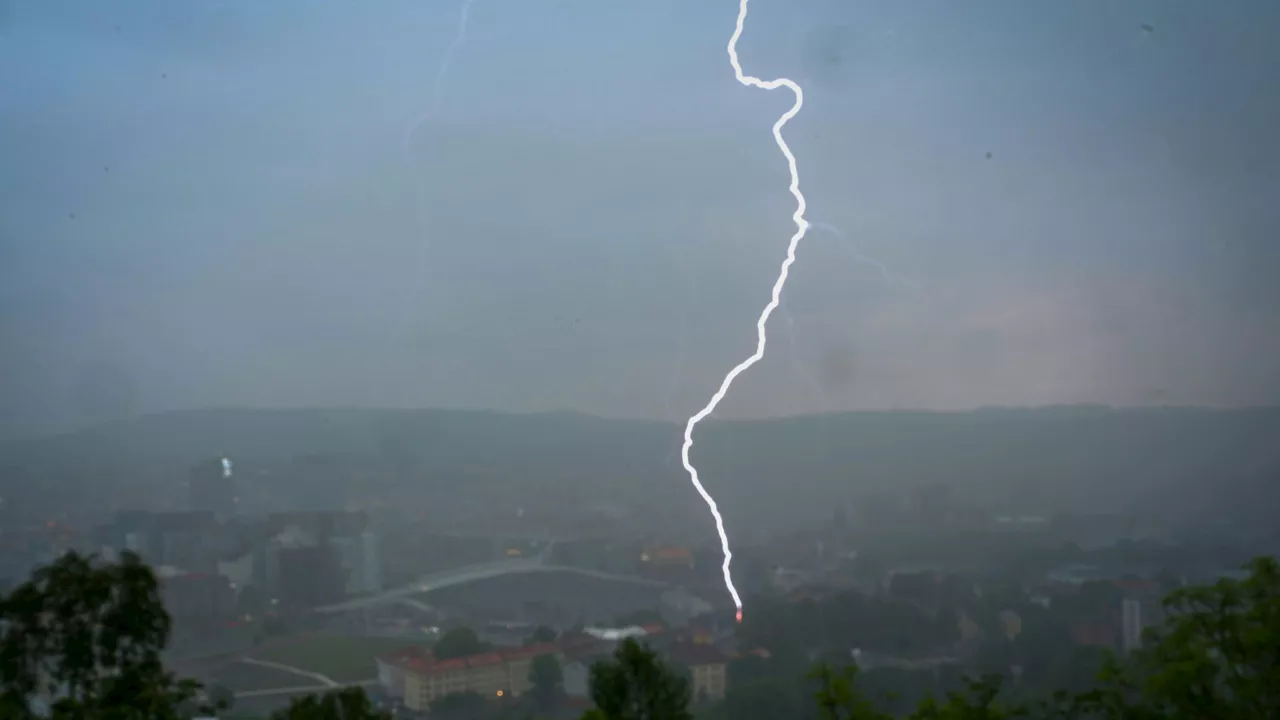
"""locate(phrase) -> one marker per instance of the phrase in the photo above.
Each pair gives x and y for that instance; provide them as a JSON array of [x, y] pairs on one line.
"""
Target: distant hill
[[1038, 458]]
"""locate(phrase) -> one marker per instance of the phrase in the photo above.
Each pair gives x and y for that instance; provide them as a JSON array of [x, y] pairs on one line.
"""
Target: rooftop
[[424, 662], [694, 654]]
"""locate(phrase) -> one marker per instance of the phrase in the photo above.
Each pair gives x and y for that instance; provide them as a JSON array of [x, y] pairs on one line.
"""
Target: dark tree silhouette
[[459, 642], [541, 634], [636, 685], [345, 704], [547, 678], [84, 638]]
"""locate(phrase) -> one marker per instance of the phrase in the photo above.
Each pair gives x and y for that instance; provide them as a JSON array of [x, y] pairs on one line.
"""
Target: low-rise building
[[419, 678], [708, 669]]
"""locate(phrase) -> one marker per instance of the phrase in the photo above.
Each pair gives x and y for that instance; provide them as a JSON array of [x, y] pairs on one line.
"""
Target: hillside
[[1043, 458]]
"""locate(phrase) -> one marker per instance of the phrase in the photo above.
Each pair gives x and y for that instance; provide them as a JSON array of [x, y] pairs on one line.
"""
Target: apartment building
[[708, 669], [420, 679]]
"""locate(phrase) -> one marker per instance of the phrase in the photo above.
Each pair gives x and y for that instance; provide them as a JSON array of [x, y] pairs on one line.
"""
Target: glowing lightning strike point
[[761, 339]]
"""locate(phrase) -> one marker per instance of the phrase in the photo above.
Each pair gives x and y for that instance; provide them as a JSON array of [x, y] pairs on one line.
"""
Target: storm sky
[[225, 203]]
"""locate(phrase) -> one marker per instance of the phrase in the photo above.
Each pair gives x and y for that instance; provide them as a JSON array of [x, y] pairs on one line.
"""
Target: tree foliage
[[459, 642], [636, 685], [345, 704], [547, 677], [541, 634], [85, 637], [1214, 658]]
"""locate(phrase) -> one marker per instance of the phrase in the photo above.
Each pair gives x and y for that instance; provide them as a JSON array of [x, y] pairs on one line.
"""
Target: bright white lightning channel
[[761, 339]]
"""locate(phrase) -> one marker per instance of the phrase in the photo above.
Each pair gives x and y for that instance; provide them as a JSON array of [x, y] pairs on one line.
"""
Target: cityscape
[[662, 360]]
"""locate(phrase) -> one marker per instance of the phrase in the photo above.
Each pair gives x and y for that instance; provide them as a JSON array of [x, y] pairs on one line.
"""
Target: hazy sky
[[213, 203]]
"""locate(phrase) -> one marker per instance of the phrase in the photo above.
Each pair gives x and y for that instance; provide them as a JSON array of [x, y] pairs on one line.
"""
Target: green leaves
[[1215, 657], [86, 638], [636, 685], [459, 642], [345, 704], [547, 677]]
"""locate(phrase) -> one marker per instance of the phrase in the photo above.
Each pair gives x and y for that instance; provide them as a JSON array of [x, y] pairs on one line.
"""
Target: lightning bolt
[[775, 298]]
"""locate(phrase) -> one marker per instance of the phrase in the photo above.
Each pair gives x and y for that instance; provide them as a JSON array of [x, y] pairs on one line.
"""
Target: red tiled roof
[[422, 661], [529, 652], [404, 656], [672, 553], [1100, 634]]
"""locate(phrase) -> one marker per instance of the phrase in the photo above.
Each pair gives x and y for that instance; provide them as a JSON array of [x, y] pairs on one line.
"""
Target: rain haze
[[244, 204], [412, 353]]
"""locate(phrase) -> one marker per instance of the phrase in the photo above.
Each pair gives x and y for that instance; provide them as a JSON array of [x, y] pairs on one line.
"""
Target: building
[[186, 539], [708, 669], [239, 571], [318, 557], [1094, 634], [1130, 624], [359, 558], [393, 667], [198, 596], [308, 576], [1010, 624], [212, 488], [419, 678], [668, 556]]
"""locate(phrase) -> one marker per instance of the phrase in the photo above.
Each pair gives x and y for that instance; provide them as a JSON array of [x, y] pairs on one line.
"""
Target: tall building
[[319, 557], [1131, 624], [184, 539], [212, 487], [358, 557]]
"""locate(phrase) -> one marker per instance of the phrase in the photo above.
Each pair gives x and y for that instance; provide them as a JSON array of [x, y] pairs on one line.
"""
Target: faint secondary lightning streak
[[761, 338], [442, 74], [888, 275], [797, 363], [411, 131]]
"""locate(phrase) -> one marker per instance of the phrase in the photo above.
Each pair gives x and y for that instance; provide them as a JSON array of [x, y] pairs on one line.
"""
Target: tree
[[459, 642], [765, 699], [547, 678], [350, 703], [220, 696], [541, 634], [836, 697], [1214, 658], [89, 636], [636, 685]]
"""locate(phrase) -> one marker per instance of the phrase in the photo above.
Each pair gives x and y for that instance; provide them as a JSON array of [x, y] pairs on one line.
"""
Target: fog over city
[[726, 359]]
